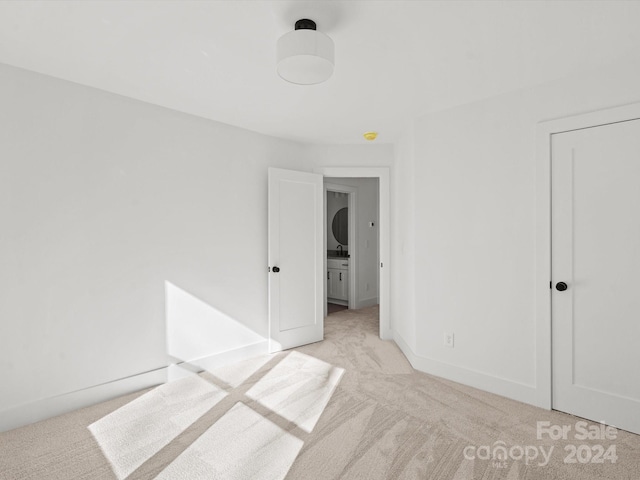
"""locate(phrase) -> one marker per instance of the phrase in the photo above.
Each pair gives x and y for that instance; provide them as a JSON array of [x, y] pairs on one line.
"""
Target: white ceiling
[[394, 59]]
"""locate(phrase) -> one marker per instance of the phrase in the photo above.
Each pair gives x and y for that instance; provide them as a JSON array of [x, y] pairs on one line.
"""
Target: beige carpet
[[348, 407], [335, 308]]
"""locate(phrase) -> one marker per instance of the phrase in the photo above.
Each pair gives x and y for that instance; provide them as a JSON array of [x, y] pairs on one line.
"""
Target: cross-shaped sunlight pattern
[[242, 443], [298, 389], [245, 445], [135, 432], [236, 373]]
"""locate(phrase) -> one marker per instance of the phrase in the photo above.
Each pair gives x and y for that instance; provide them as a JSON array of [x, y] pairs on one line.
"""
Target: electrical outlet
[[367, 289], [448, 339]]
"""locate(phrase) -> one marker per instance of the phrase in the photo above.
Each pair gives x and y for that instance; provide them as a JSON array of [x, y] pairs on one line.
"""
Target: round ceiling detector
[[370, 135], [305, 56]]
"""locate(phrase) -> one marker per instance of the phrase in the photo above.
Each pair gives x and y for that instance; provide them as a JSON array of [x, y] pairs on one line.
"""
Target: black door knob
[[275, 269], [561, 286]]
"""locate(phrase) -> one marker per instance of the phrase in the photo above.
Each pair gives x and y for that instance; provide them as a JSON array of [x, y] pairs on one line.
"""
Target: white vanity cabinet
[[338, 280]]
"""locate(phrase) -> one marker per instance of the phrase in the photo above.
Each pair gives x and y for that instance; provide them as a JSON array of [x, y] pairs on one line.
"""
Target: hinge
[[381, 265]]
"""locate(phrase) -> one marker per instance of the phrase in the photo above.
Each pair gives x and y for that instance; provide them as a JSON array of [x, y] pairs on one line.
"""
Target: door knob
[[275, 269], [561, 286]]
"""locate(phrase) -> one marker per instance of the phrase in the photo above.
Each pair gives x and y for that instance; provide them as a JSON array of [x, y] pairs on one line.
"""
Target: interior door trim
[[384, 216], [353, 239], [545, 131]]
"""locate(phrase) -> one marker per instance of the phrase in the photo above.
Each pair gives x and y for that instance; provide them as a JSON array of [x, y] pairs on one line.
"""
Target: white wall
[[473, 214], [367, 237], [403, 242], [106, 205], [360, 155], [105, 200]]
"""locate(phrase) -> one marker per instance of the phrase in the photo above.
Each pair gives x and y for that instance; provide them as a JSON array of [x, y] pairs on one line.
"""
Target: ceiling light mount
[[305, 24], [305, 55]]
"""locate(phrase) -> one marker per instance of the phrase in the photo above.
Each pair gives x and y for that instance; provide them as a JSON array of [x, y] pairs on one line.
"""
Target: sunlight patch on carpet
[[236, 373], [298, 389], [241, 445], [132, 434]]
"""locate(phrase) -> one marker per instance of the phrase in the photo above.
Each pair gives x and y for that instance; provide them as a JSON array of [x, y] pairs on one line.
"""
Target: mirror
[[340, 226]]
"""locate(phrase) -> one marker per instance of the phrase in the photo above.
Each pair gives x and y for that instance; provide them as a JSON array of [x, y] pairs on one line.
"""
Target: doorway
[[341, 252], [296, 217], [382, 229]]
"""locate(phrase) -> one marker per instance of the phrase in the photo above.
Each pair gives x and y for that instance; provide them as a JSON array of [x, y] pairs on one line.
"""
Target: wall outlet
[[367, 288], [448, 339]]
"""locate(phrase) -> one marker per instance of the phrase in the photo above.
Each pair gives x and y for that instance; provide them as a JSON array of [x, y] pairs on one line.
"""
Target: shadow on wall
[[202, 335]]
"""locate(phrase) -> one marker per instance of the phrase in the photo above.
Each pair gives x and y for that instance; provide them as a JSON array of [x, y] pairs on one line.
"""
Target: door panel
[[295, 248], [596, 251]]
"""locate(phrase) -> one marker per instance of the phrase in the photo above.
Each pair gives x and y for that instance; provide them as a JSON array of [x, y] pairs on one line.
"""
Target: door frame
[[353, 238], [543, 280], [384, 245]]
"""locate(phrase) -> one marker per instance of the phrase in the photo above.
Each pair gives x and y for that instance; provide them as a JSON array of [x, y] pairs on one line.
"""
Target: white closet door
[[596, 253]]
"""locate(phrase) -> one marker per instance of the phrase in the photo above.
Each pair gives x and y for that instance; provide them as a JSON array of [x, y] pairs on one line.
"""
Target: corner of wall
[[482, 381]]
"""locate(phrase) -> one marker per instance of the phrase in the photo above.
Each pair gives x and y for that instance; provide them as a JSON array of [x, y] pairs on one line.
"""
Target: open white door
[[596, 260], [296, 275]]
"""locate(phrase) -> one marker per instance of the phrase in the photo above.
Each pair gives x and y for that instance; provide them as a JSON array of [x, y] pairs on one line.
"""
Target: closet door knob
[[275, 269], [561, 286]]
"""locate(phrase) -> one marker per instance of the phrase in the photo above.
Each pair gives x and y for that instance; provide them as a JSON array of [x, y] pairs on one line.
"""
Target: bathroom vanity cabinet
[[338, 280]]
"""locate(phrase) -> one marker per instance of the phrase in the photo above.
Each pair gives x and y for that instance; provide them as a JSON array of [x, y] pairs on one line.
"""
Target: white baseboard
[[482, 381], [230, 356], [52, 406], [57, 405], [337, 301], [367, 302]]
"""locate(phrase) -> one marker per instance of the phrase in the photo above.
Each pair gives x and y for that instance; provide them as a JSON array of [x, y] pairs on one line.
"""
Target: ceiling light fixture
[[305, 56]]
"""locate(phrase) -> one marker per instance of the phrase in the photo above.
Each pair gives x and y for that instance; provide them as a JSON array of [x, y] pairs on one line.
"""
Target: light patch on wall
[[196, 330]]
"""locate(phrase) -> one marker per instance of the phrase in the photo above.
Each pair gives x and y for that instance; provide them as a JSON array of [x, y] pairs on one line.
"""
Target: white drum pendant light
[[305, 56]]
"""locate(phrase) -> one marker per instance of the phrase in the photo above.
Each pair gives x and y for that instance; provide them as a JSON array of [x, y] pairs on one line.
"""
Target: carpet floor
[[350, 407], [335, 308]]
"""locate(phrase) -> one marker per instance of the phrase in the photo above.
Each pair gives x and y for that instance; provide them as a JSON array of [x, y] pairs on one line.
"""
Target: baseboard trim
[[43, 409], [367, 302], [337, 301], [60, 404], [482, 381], [230, 356]]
